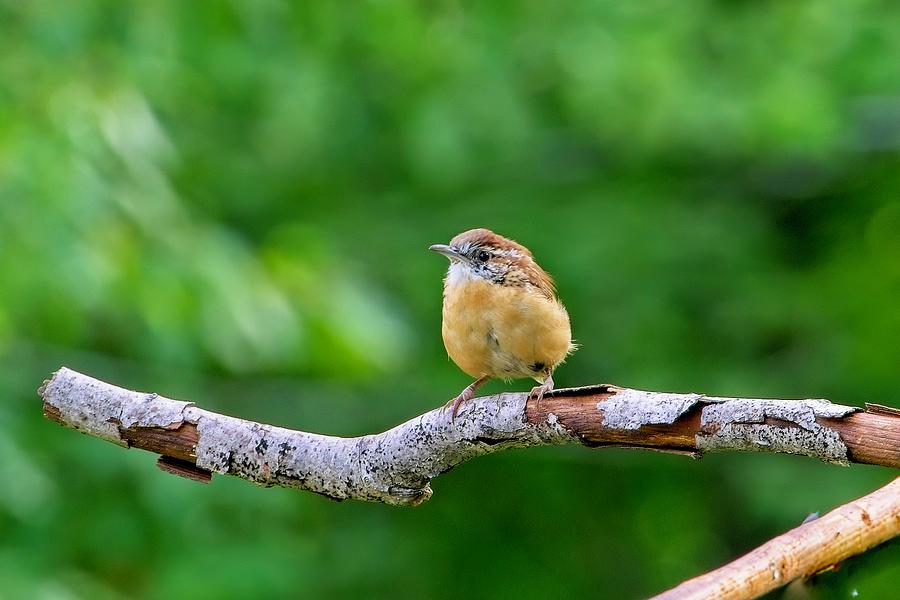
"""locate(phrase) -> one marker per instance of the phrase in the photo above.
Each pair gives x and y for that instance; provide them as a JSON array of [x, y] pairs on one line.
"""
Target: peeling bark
[[773, 425], [397, 466], [632, 409]]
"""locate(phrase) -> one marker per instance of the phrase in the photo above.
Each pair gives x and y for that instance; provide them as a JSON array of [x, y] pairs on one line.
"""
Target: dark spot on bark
[[585, 390], [489, 441], [710, 428], [866, 518], [262, 445], [284, 448]]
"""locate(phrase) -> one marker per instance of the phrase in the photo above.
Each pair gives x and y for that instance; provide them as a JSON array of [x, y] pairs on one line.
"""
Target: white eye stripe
[[472, 250], [468, 247], [512, 252]]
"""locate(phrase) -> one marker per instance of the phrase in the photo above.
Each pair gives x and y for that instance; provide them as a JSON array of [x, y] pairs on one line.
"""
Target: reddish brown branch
[[871, 437]]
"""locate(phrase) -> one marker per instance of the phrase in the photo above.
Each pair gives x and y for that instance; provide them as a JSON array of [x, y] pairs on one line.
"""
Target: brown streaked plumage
[[501, 316]]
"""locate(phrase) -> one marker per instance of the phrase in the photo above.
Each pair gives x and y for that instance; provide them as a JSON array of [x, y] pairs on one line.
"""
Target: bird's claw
[[455, 403], [467, 394], [538, 391]]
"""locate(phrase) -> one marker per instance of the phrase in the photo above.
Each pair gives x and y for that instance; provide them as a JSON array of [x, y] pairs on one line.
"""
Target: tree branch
[[802, 552], [396, 466]]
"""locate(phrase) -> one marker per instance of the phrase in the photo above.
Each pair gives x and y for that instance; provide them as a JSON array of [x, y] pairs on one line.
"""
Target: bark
[[397, 466], [802, 552]]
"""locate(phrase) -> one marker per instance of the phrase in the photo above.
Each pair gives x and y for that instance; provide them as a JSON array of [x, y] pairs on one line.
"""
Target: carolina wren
[[501, 316]]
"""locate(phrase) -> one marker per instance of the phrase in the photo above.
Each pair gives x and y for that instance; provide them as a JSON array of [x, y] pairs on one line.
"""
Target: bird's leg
[[467, 394], [538, 391]]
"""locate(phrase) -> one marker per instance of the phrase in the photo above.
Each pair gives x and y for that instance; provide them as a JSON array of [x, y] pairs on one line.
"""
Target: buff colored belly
[[504, 331]]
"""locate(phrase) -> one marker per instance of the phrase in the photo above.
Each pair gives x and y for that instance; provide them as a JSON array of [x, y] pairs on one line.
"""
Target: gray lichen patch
[[374, 467], [740, 424], [87, 404], [153, 411], [400, 463], [801, 412], [263, 453], [102, 410], [558, 428], [632, 409]]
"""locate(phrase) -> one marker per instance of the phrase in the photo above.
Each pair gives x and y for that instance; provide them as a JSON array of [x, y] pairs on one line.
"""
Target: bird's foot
[[467, 394], [538, 391]]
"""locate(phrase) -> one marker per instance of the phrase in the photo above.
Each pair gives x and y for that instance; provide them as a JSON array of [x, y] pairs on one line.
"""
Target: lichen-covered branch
[[802, 552], [397, 466]]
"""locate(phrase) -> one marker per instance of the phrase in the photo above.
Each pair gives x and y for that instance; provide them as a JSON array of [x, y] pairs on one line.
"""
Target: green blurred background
[[230, 202]]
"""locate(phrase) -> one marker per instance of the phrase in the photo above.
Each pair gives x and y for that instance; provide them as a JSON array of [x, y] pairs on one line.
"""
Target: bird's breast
[[503, 331]]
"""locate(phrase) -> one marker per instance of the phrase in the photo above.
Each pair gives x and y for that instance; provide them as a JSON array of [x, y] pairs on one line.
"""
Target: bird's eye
[[483, 255]]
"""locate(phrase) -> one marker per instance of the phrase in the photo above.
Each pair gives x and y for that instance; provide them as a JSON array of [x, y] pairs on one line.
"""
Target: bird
[[501, 317]]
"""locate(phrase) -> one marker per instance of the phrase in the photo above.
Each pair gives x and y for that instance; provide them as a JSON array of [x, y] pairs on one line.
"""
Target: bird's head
[[481, 253]]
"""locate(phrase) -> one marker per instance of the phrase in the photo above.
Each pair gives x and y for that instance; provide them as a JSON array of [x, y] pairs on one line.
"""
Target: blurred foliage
[[230, 202]]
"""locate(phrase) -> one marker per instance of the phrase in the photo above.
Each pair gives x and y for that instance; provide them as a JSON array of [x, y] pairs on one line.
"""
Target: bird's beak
[[447, 251]]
